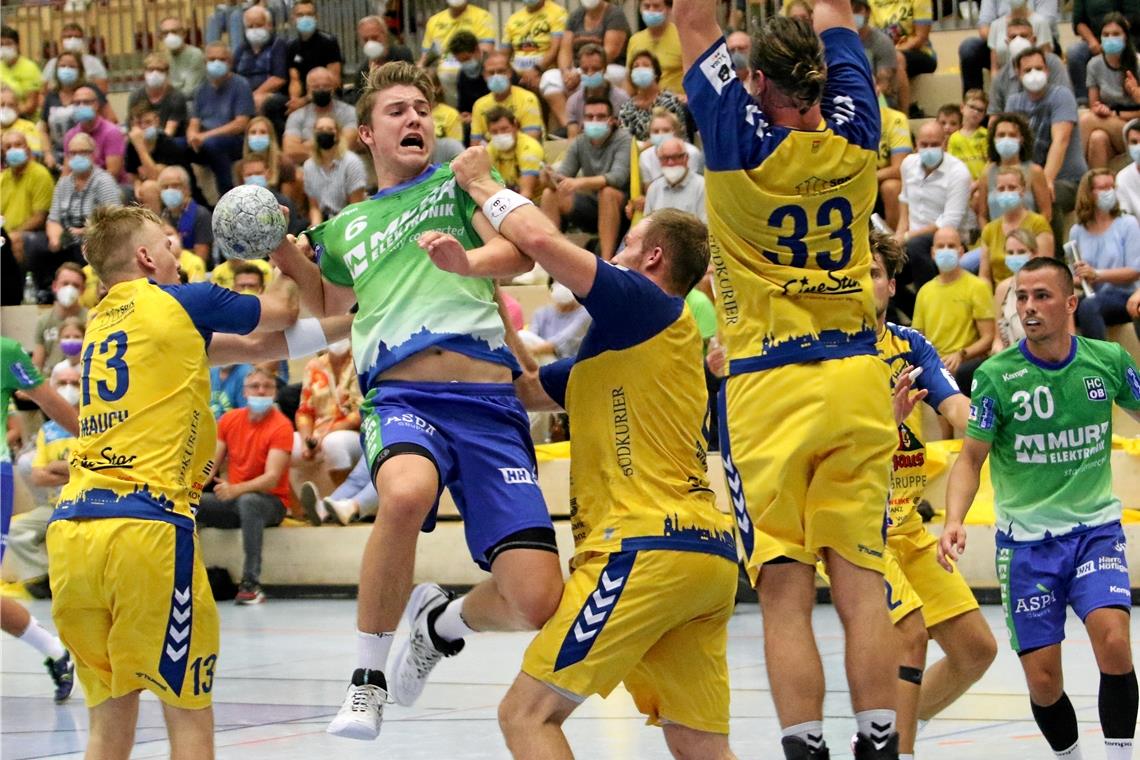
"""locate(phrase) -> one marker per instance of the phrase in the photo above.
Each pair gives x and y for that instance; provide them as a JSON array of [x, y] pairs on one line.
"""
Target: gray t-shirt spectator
[[687, 195], [879, 49], [332, 186], [576, 103], [71, 207], [1058, 105], [1006, 83], [1110, 81], [302, 121], [613, 19], [611, 159]]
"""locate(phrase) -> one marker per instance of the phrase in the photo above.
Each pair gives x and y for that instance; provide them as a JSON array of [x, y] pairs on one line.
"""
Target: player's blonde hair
[[391, 74], [789, 54], [111, 230]]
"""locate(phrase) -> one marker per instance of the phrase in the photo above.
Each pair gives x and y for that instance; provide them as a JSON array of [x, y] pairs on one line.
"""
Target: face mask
[[16, 156], [1015, 261], [71, 346], [84, 113], [596, 130], [373, 49], [8, 53], [1034, 81], [499, 83], [69, 393], [259, 404], [930, 157], [653, 18], [257, 37], [591, 4], [642, 76], [1017, 4], [67, 295], [504, 141], [171, 197], [1106, 200], [7, 115], [456, 3], [597, 79], [325, 140], [860, 20], [172, 41], [1112, 45], [659, 138], [155, 79], [1017, 45], [1007, 200], [1134, 152], [306, 24], [322, 98], [531, 3], [150, 134], [258, 143], [257, 179], [674, 174], [67, 74], [73, 44], [946, 259], [561, 295], [80, 164], [739, 61], [216, 69], [472, 67], [1007, 147]]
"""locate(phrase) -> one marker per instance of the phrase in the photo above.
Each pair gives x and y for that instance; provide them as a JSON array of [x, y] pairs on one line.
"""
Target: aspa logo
[[517, 476], [1037, 602], [1094, 387], [1030, 449]]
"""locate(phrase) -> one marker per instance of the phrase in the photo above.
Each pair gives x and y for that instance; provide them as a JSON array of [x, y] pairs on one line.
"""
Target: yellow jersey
[[447, 122], [530, 34], [899, 347], [523, 104], [788, 212], [895, 137], [146, 434], [523, 160], [667, 50], [947, 312], [898, 18], [188, 261], [638, 476], [441, 26], [972, 150]]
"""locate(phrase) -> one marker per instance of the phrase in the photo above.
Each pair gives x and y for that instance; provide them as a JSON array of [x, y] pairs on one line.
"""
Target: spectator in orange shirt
[[327, 442]]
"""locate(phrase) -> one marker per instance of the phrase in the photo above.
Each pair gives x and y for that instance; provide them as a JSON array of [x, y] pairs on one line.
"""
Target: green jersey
[[406, 303], [1050, 427], [17, 374]]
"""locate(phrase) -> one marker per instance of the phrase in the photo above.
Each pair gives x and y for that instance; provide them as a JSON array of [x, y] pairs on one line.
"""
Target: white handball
[[248, 223]]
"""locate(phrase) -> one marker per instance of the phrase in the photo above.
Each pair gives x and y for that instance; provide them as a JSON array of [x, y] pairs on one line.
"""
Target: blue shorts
[[478, 437], [1086, 569], [7, 497]]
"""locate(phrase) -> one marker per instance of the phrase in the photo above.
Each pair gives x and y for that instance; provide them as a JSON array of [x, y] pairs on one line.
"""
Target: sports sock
[[876, 725], [906, 756], [811, 733], [1072, 753], [42, 640], [1058, 723], [1118, 703], [448, 623], [372, 649]]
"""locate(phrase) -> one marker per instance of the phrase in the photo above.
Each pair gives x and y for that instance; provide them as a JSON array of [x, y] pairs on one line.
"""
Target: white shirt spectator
[[687, 195], [938, 199], [650, 165], [1128, 189]]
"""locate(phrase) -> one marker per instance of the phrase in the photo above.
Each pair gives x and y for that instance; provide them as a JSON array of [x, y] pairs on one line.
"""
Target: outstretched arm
[[269, 346], [697, 27], [319, 296]]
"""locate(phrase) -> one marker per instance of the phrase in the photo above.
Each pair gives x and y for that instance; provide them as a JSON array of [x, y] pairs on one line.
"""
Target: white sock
[[1118, 749], [811, 732], [876, 725], [372, 649], [1073, 752], [906, 756], [42, 640], [449, 625]]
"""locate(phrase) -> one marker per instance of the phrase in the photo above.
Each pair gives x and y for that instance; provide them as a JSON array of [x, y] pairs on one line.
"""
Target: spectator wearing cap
[[187, 62]]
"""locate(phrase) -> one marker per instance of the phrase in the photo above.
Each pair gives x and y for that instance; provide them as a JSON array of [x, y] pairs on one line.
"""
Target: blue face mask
[[259, 404], [1134, 153], [1007, 147], [653, 18], [80, 164], [16, 156], [257, 179], [67, 74], [499, 83], [1007, 200], [258, 143], [216, 69], [930, 157], [306, 24], [1112, 45], [472, 67], [84, 113], [1106, 200], [150, 133], [597, 79], [659, 138], [172, 197], [596, 130], [860, 20], [1015, 261], [946, 259], [642, 76]]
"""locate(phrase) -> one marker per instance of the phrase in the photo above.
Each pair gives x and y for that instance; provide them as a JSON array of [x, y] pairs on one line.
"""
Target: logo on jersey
[[1087, 568], [1133, 382], [983, 415], [1037, 602], [1094, 387], [21, 374], [1011, 376], [842, 109], [514, 476], [411, 421], [1070, 445], [718, 69]]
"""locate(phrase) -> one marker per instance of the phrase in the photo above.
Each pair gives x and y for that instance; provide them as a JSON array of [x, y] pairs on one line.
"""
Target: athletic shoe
[[422, 649], [310, 499], [249, 593], [62, 672], [881, 747], [361, 713], [796, 748], [343, 510]]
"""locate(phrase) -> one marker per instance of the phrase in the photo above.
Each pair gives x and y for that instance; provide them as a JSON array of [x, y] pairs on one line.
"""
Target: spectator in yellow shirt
[[523, 102], [517, 157], [1009, 198], [971, 142], [660, 38], [11, 120], [459, 16], [20, 73], [25, 193], [533, 37]]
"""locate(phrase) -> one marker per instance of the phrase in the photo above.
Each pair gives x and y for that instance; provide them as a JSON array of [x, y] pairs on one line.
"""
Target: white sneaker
[[420, 651], [342, 510], [363, 709]]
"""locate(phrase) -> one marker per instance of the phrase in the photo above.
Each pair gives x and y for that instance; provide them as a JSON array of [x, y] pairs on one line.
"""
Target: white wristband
[[305, 337], [502, 203]]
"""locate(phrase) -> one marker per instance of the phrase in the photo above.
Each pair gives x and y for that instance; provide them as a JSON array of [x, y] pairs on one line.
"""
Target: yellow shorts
[[807, 457], [655, 620], [915, 580], [132, 604]]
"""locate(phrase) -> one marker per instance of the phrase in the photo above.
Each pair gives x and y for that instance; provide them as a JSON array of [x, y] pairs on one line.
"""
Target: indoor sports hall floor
[[284, 666]]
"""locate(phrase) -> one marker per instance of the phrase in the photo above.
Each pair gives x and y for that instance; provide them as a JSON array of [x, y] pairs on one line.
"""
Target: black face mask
[[325, 140], [321, 98]]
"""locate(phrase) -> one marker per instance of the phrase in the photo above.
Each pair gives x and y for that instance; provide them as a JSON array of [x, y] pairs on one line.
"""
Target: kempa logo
[[1009, 376], [1065, 446], [517, 476]]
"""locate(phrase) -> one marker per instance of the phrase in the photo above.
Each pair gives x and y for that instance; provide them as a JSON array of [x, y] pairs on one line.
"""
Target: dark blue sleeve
[[935, 379], [850, 106], [243, 99], [627, 309], [554, 378], [735, 133], [215, 309], [279, 59]]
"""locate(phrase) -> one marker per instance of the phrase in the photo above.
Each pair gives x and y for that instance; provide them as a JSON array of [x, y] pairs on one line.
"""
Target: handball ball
[[248, 223]]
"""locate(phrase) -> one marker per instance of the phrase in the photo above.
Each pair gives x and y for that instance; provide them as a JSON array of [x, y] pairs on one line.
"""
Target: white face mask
[[172, 41], [69, 393], [1034, 81], [7, 116], [341, 347], [504, 141], [674, 174], [591, 4], [373, 49], [155, 79], [561, 295], [8, 53], [456, 3], [1017, 45], [74, 44], [67, 295]]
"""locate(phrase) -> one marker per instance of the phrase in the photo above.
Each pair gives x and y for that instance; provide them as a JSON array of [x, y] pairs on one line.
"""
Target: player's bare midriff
[[437, 365]]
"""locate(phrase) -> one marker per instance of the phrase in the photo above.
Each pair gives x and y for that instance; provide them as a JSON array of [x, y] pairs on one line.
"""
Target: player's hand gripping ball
[[248, 223]]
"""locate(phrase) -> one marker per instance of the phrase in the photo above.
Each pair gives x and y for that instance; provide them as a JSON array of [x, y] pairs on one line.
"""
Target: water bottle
[[29, 289]]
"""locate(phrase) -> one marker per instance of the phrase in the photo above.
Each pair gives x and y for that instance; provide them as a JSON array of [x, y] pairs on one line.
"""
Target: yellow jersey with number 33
[[788, 212], [146, 434]]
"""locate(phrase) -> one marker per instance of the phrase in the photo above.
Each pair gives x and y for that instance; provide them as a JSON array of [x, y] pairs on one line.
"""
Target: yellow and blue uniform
[[441, 27], [130, 595], [788, 218], [531, 33], [525, 159], [53, 444], [653, 578]]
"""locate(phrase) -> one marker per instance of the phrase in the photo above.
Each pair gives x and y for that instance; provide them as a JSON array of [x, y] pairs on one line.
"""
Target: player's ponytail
[[790, 55]]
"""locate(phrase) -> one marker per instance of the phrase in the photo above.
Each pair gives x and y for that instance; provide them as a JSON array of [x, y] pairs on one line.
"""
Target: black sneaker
[[62, 672], [796, 748], [885, 748]]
